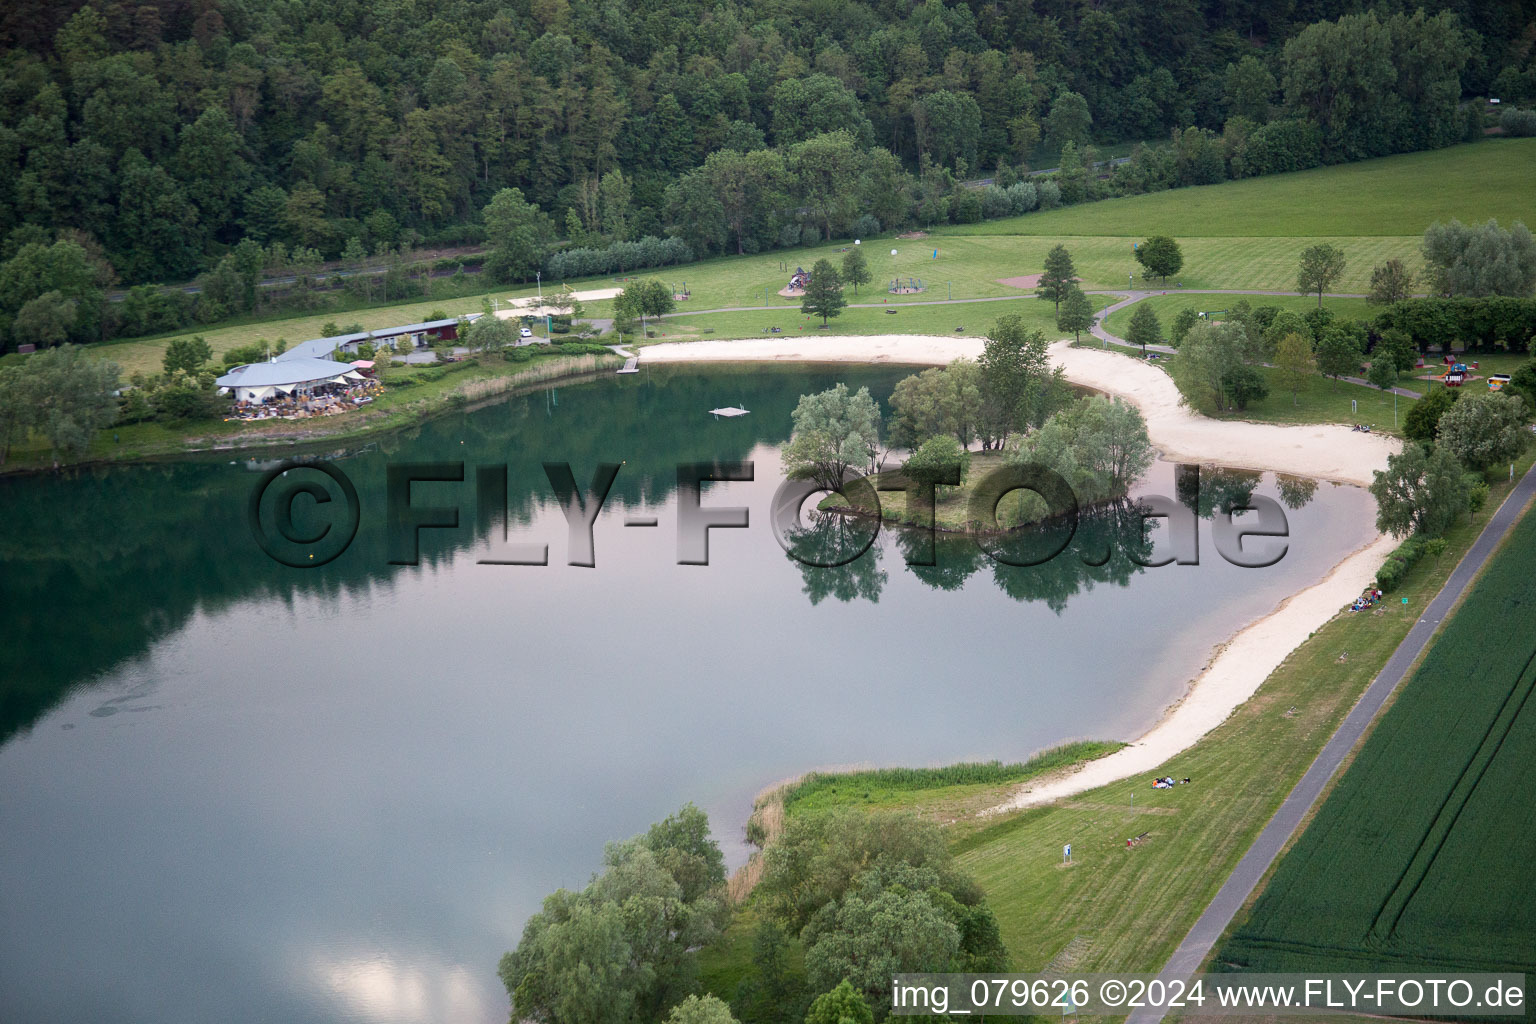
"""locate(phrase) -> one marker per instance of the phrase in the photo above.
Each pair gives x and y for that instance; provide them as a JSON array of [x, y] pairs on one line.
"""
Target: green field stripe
[[1444, 821]]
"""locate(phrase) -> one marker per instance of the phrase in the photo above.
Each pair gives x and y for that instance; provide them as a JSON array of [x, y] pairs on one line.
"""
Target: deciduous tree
[[1161, 256], [1391, 282], [1075, 313], [1488, 260], [1320, 266], [833, 431], [514, 231], [1419, 492], [855, 269], [187, 354], [1295, 361], [1015, 373], [1144, 329], [1485, 429], [1338, 354]]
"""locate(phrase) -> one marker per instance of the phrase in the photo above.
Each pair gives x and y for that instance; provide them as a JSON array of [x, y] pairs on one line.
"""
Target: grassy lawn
[[976, 317], [940, 793], [1395, 195], [1321, 400], [1168, 306], [1245, 234]]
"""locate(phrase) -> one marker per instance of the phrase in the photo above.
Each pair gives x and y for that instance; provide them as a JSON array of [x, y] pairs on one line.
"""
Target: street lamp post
[[538, 279]]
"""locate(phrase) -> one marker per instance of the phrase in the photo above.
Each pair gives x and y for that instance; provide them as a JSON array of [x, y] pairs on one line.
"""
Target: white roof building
[[256, 382]]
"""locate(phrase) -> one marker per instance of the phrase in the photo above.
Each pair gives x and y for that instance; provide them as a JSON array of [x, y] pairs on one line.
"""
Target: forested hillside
[[159, 137]]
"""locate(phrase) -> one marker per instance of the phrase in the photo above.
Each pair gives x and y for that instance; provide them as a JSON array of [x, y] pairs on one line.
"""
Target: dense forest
[[154, 142]]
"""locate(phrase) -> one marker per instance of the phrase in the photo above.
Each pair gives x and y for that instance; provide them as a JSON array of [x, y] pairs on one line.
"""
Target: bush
[[1390, 576], [966, 208], [619, 258], [1050, 195], [1392, 572], [995, 202], [865, 226], [1022, 197], [1519, 123], [579, 348], [1477, 491]]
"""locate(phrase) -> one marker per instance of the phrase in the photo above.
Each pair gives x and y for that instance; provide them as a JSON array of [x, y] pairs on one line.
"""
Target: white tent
[[256, 382]]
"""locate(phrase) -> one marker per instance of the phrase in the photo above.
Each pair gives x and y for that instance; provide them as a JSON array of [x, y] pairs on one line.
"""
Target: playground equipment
[[909, 286]]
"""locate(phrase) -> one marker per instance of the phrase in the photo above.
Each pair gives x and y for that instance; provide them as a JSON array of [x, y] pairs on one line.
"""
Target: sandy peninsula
[[1238, 667]]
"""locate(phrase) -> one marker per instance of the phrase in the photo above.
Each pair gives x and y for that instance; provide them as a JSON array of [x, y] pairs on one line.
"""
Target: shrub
[[1390, 576], [966, 208], [865, 226], [1050, 195], [1022, 197], [1518, 122], [1392, 572], [995, 202], [1477, 492]]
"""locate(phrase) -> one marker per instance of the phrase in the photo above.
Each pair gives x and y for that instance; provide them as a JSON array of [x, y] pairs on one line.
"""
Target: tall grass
[[971, 773]]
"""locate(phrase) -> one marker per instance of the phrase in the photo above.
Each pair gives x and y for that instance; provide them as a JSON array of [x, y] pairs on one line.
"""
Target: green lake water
[[234, 790]]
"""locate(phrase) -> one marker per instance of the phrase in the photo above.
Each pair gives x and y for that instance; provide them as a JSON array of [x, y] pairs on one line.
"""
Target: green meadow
[[1395, 195], [1239, 235]]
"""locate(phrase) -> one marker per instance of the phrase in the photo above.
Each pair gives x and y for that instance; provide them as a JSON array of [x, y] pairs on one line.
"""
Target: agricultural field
[[1421, 857]]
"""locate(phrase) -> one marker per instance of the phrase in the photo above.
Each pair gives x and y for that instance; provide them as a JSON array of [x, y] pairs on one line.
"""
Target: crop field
[[1421, 857]]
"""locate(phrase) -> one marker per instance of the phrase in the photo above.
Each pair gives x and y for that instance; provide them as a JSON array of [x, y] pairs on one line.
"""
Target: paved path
[[1098, 330], [1207, 931]]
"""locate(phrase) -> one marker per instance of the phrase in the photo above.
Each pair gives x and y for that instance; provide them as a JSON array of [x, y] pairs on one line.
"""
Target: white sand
[[1243, 663], [531, 307]]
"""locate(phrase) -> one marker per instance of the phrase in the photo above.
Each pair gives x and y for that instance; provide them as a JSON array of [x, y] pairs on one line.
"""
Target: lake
[[235, 790]]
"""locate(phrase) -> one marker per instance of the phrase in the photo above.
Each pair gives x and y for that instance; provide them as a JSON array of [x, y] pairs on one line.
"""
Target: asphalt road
[[1207, 931]]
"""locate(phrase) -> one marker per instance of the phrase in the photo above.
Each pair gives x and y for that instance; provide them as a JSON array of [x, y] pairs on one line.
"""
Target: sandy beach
[[1238, 667], [531, 307]]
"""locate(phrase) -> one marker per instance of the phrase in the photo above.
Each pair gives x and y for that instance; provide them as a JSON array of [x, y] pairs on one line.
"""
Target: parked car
[[526, 332]]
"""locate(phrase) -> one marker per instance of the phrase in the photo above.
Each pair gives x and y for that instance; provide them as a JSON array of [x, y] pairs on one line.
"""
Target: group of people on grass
[[1167, 782], [1369, 599]]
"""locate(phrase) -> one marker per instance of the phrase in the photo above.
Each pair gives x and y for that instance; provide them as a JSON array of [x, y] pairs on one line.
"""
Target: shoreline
[[1239, 665], [474, 392]]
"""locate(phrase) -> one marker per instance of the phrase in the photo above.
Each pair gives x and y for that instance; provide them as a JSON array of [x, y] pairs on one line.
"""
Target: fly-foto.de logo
[[306, 514]]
